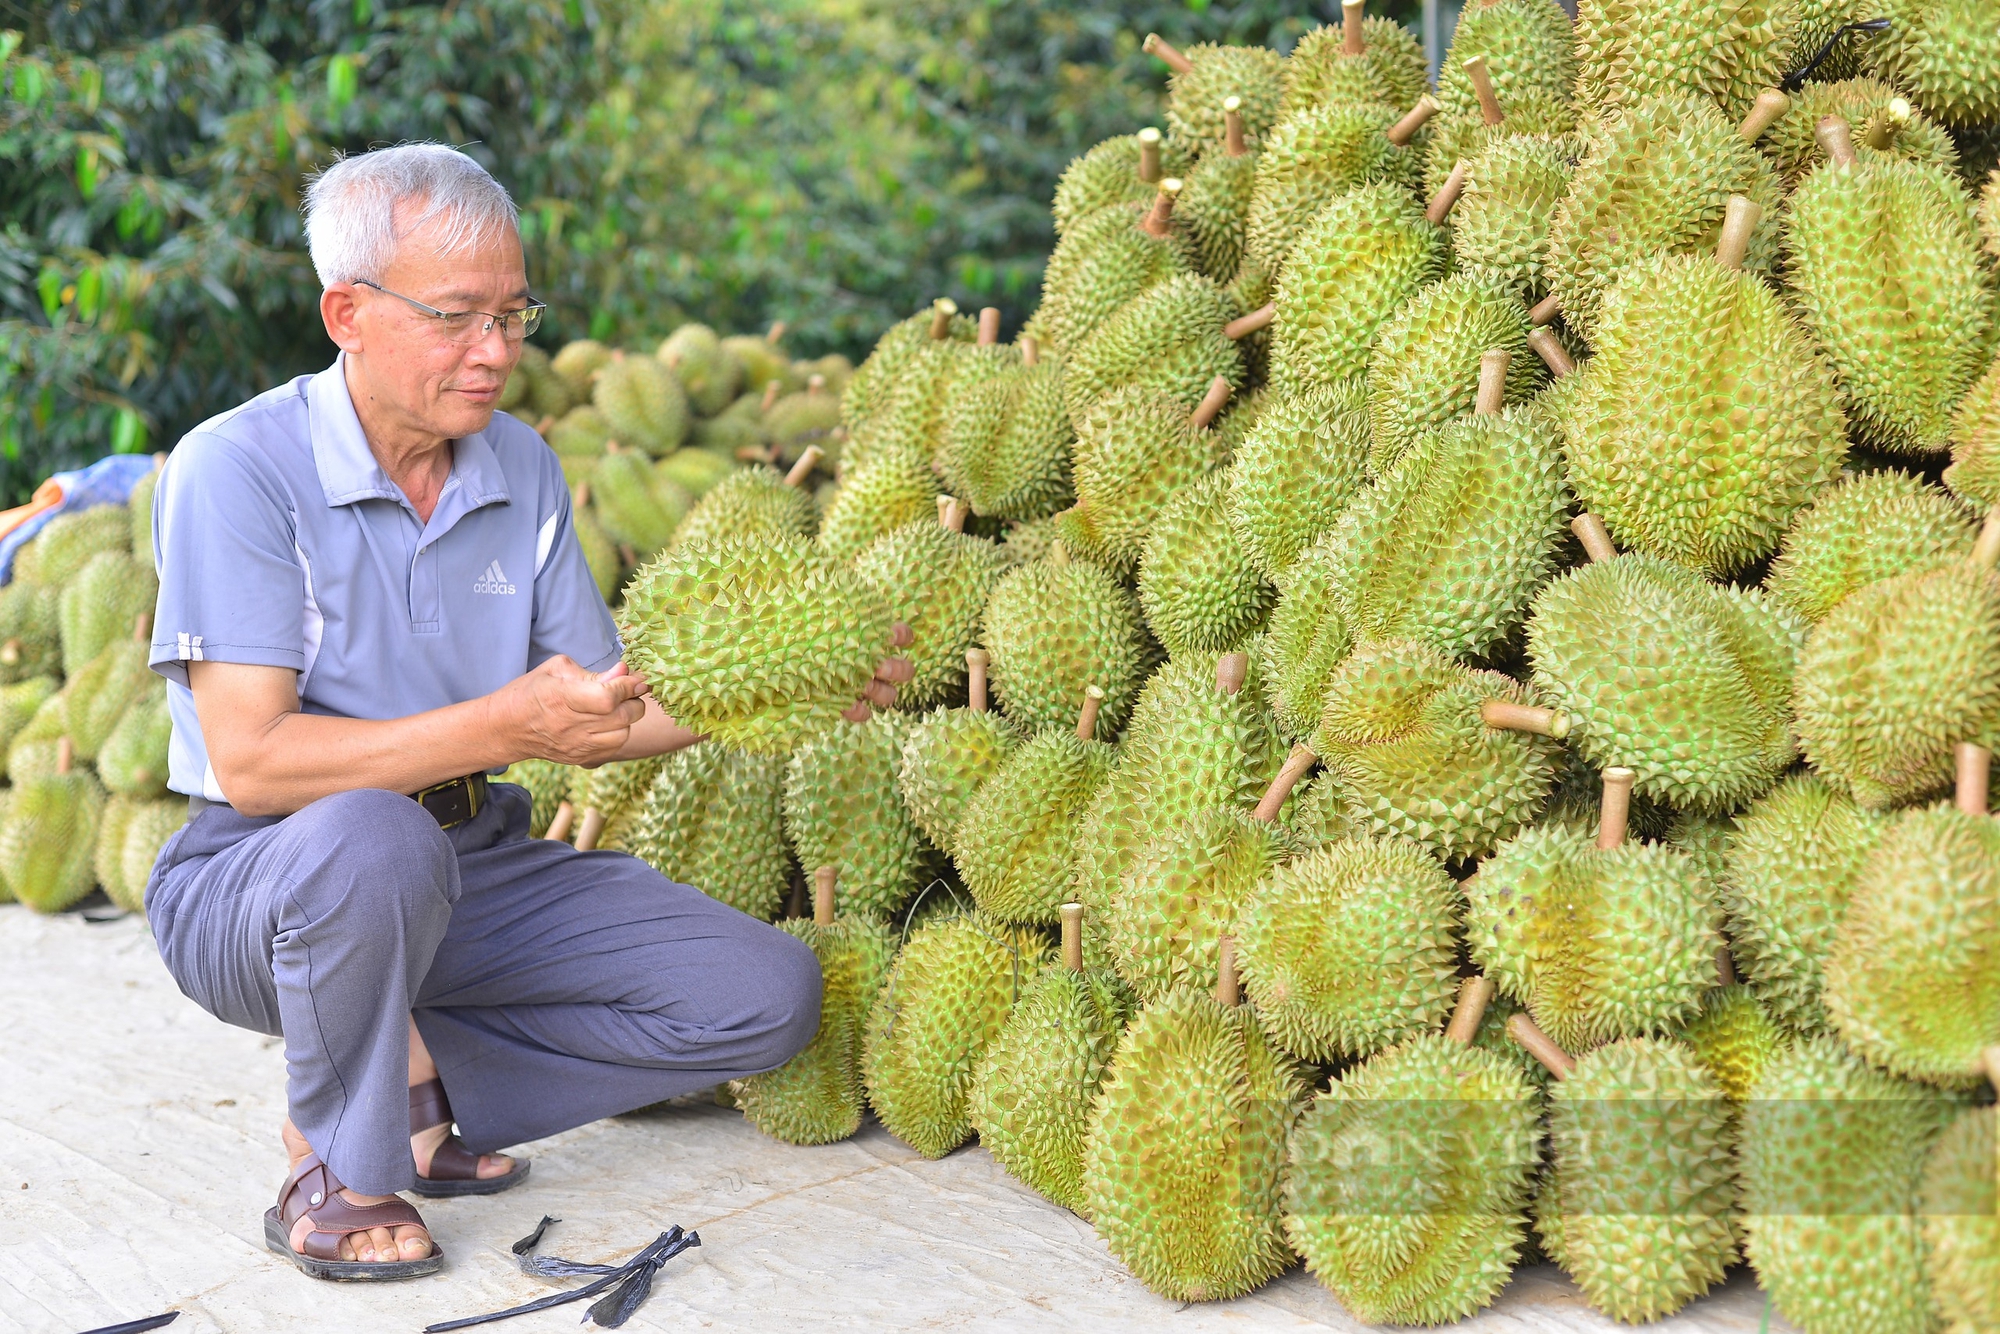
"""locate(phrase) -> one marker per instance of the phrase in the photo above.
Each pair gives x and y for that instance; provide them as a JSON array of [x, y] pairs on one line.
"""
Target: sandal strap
[[312, 1192], [428, 1106], [453, 1162]]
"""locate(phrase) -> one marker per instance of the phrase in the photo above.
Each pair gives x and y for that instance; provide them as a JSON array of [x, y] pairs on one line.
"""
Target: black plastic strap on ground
[[627, 1285]]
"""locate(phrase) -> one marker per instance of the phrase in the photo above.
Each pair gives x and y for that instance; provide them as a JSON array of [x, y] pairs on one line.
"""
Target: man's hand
[[880, 693], [563, 713]]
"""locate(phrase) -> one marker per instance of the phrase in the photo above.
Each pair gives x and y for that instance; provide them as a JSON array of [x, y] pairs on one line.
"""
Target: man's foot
[[373, 1246], [425, 1143]]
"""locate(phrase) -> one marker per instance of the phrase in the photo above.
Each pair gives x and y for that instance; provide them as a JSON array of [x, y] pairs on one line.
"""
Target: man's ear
[[341, 314]]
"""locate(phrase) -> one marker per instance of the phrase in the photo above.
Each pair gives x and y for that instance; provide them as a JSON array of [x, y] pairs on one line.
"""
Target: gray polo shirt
[[282, 543]]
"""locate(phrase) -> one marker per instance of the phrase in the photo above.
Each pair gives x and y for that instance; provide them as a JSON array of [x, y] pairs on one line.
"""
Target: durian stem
[[824, 878], [1886, 124], [1504, 715], [771, 389], [142, 627], [1211, 405], [1072, 936], [1031, 350], [1492, 381], [942, 310], [1149, 156], [803, 468], [1482, 87], [1540, 1045], [1835, 140], [1244, 325], [1446, 199], [953, 513], [1233, 141], [1764, 113], [1086, 718], [1353, 37], [1156, 45], [1550, 349], [1474, 995], [1545, 311], [977, 660], [776, 333], [1739, 223], [627, 554], [1296, 766], [816, 383], [545, 425], [593, 826], [1975, 763], [65, 755], [989, 325], [1616, 810], [1159, 220], [559, 824], [1725, 966], [1990, 1058], [1406, 129], [10, 652], [1231, 670], [1596, 538], [1227, 992], [1986, 548]]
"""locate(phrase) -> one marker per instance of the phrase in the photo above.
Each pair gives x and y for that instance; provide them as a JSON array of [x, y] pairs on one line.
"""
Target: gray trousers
[[552, 986]]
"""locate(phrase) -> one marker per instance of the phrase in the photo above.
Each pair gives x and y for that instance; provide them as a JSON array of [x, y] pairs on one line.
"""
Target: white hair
[[361, 206]]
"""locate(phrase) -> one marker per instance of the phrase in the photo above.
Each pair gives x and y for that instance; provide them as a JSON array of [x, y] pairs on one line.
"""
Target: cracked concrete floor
[[138, 1151]]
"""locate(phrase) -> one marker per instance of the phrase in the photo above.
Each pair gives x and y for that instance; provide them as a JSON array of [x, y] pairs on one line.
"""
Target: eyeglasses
[[469, 326]]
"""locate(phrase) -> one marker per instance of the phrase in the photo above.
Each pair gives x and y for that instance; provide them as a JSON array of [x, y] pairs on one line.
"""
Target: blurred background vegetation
[[830, 163]]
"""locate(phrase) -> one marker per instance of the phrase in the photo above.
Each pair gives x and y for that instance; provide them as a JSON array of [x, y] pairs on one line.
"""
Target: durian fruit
[[949, 756], [1974, 474], [890, 490], [1348, 271], [1031, 1101], [1105, 260], [1313, 157], [610, 799], [1350, 948], [842, 809], [1526, 48], [133, 759], [935, 578], [1962, 1218], [1600, 939], [1735, 1039], [552, 386], [869, 393], [1685, 682], [1831, 1160], [1705, 418], [579, 433], [1296, 471], [1724, 50], [1790, 865], [817, 1096], [1461, 135], [762, 357], [1426, 365], [695, 470], [1174, 339], [1126, 169], [1900, 671], [1212, 210], [1135, 451], [20, 702], [1884, 263], [713, 818], [100, 604], [1912, 982], [1016, 841], [107, 858], [946, 997], [48, 833], [1363, 60], [139, 514], [643, 402], [1055, 626], [105, 687], [36, 746], [1654, 179], [797, 421], [1866, 528], [30, 629], [547, 784], [756, 642], [1308, 639], [637, 506], [751, 503], [1207, 75], [68, 541], [910, 421], [576, 365], [1184, 1162], [1500, 222], [1199, 592], [1426, 1233], [1640, 1209], [1946, 53], [146, 834], [1427, 750], [1889, 124], [708, 374], [1006, 441]]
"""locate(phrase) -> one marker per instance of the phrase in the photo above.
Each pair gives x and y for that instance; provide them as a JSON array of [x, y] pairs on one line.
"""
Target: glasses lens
[[464, 326], [531, 320]]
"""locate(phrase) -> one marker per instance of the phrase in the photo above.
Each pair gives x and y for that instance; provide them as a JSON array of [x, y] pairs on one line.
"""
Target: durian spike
[[1764, 113], [1231, 670], [1086, 718], [771, 388], [142, 626], [1616, 810], [1835, 139], [1353, 37], [1482, 87], [559, 824], [1226, 990], [1492, 382], [1446, 198], [1506, 716], [1156, 45], [1296, 766], [1244, 325], [776, 333], [1739, 221], [977, 660], [1550, 349], [1474, 995], [65, 755], [954, 513], [545, 425], [803, 468], [824, 878], [1540, 1045], [1596, 538], [1211, 405], [1406, 129], [1986, 547], [942, 310], [1031, 350], [1149, 155], [1974, 765], [1545, 311], [591, 829], [1159, 220], [1886, 124], [816, 383], [1072, 936], [1725, 966], [1232, 127], [989, 326]]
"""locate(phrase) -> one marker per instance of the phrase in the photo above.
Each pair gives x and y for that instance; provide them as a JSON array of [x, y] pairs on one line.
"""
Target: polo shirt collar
[[347, 468]]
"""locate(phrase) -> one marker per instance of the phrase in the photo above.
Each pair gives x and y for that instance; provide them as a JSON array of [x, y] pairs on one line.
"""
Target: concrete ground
[[138, 1151]]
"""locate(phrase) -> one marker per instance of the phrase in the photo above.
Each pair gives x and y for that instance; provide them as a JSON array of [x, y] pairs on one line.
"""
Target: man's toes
[[494, 1165], [380, 1245], [413, 1243]]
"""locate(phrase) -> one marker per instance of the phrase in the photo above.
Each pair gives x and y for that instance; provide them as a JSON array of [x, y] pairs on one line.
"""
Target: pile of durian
[[1455, 659], [83, 719], [643, 436]]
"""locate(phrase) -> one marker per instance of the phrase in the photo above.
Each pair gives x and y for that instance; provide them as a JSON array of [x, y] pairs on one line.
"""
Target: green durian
[[642, 402], [1135, 451], [1054, 627], [709, 375], [748, 503], [1462, 136], [139, 515], [877, 498], [1500, 225], [636, 505], [695, 471], [1870, 104], [1296, 471], [1199, 592], [842, 809], [611, 798], [576, 364], [762, 358], [1426, 365], [1865, 528], [48, 833], [151, 824], [68, 541], [133, 759], [1946, 53], [107, 858], [20, 702], [945, 1000], [1112, 172], [1006, 449], [1962, 1223], [911, 422], [103, 602], [1734, 1038], [1313, 158], [547, 784], [935, 580], [713, 817], [546, 390], [580, 433], [1102, 262], [799, 421], [102, 690], [1351, 267], [1528, 47], [1212, 211], [36, 746], [1722, 51], [1974, 474], [600, 553], [1388, 68], [1206, 76], [869, 393], [949, 755], [1309, 637], [1169, 340], [756, 641], [30, 631]]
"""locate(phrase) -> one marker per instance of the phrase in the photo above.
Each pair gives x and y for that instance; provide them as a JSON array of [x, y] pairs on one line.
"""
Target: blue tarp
[[109, 481]]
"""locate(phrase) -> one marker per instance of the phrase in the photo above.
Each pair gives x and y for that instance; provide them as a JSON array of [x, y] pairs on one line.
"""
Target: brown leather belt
[[455, 802]]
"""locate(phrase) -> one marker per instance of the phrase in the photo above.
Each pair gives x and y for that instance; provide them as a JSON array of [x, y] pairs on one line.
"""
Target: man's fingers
[[901, 635], [896, 671], [880, 693], [857, 712]]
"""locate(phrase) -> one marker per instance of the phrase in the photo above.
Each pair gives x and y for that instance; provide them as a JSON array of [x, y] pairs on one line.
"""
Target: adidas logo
[[492, 581]]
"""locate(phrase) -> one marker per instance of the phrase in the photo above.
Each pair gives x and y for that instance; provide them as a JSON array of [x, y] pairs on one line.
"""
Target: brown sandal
[[312, 1191], [454, 1168]]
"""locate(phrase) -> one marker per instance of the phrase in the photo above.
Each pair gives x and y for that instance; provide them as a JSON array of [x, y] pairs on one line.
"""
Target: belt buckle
[[450, 803]]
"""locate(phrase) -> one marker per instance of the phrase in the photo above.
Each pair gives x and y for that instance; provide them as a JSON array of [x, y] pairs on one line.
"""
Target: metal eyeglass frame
[[529, 316]]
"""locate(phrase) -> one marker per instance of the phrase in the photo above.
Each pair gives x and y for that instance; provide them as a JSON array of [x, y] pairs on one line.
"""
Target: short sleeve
[[570, 615], [232, 581]]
